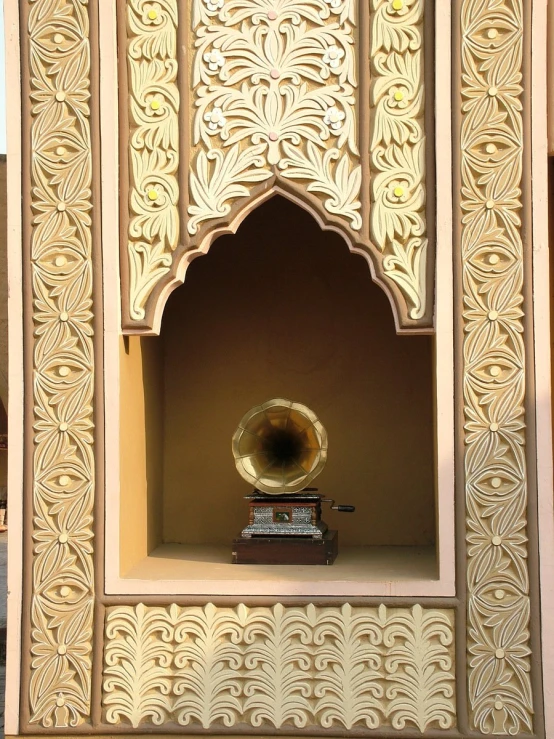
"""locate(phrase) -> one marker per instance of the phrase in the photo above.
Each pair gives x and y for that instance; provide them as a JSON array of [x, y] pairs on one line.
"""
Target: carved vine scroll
[[494, 366], [282, 98], [279, 667], [63, 363]]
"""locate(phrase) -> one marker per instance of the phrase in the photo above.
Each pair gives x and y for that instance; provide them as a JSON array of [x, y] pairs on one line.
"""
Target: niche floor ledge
[[177, 569]]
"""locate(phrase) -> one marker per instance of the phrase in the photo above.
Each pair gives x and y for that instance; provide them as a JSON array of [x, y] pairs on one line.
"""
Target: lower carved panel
[[340, 667]]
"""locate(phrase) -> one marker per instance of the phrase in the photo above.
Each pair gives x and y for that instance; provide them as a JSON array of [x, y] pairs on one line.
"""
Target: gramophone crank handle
[[339, 508]]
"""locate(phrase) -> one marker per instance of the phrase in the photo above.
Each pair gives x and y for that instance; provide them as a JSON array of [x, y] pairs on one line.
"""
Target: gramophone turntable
[[280, 447]]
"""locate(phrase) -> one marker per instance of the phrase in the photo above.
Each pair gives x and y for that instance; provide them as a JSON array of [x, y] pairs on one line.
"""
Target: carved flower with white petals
[[399, 96], [155, 195], [214, 5], [399, 191], [152, 14], [155, 104], [214, 59], [333, 57], [215, 119], [333, 118]]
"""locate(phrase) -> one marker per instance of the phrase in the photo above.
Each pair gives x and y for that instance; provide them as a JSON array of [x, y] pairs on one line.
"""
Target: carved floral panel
[[322, 100], [269, 668], [494, 367]]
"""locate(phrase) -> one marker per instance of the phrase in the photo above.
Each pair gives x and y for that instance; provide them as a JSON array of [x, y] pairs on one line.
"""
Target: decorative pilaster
[[494, 366], [62, 363]]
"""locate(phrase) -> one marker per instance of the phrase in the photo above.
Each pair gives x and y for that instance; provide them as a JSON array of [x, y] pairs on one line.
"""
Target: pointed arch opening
[[411, 309], [280, 309]]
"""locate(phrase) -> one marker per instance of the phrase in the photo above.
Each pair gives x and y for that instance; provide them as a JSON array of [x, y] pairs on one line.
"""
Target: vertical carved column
[[494, 366], [397, 147], [153, 146], [63, 363]]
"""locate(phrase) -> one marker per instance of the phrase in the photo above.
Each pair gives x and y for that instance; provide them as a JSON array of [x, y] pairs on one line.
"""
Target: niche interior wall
[[144, 130]]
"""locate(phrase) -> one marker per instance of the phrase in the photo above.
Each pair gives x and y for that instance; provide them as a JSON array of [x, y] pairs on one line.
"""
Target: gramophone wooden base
[[286, 550]]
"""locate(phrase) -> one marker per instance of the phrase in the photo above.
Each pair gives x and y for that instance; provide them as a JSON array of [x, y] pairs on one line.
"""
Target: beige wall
[[3, 286], [283, 309], [141, 443], [3, 322]]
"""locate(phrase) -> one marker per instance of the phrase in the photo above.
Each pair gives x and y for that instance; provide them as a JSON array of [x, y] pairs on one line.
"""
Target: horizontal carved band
[[274, 667]]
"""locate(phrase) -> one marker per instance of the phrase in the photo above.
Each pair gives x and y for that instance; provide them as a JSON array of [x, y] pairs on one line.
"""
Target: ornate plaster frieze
[[61, 610], [494, 367], [275, 667], [275, 91], [153, 145], [287, 96]]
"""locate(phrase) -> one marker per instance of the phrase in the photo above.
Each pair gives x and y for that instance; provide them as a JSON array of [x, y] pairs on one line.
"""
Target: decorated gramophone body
[[280, 447]]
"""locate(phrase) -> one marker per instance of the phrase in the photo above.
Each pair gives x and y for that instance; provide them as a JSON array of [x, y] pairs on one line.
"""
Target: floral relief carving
[[279, 667], [397, 147], [284, 96], [153, 145], [61, 610], [274, 85], [494, 367]]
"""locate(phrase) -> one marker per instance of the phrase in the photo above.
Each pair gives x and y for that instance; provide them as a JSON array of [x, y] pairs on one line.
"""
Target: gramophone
[[279, 448]]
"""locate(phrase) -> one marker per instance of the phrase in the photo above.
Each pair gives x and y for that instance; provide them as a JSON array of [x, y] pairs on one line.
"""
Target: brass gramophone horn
[[280, 446]]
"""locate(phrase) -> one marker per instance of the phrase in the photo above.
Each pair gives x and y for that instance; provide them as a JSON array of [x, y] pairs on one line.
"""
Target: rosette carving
[[279, 667], [494, 367], [63, 364], [285, 96]]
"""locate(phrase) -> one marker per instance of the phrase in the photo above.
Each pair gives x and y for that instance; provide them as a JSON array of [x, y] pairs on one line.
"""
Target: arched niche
[[280, 311], [334, 118]]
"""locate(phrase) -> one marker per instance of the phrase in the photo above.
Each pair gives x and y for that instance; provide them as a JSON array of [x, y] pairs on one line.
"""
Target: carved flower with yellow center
[[399, 191], [152, 14], [155, 104], [399, 97], [333, 57], [215, 119], [333, 118], [155, 195], [214, 59], [399, 7], [214, 5]]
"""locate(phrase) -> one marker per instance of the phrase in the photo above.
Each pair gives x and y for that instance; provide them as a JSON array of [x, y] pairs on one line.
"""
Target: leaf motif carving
[[62, 495], [279, 89], [271, 668], [153, 146], [494, 367], [397, 216]]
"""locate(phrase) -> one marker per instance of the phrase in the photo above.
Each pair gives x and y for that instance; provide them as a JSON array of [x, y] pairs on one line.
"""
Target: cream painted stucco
[[141, 448]]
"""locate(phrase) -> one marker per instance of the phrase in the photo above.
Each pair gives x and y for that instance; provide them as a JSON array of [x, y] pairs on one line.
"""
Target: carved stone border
[[494, 380], [61, 273]]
